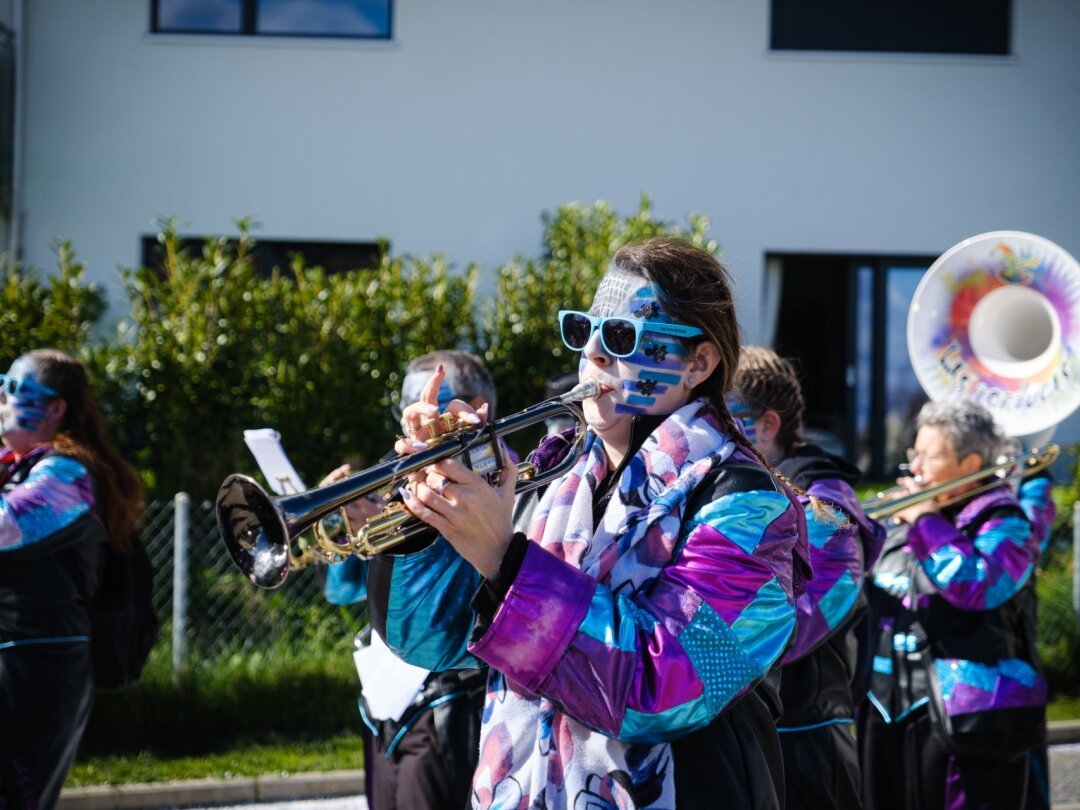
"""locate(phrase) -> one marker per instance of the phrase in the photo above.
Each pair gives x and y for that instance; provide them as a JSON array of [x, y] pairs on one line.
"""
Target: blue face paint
[[445, 395], [741, 411], [660, 362], [26, 398]]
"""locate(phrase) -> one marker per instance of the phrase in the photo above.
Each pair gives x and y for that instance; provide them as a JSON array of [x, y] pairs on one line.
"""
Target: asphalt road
[[1065, 775], [338, 803]]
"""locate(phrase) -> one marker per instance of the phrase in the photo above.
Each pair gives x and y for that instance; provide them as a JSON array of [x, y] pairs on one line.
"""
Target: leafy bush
[[59, 312], [285, 690], [1059, 637], [211, 348]]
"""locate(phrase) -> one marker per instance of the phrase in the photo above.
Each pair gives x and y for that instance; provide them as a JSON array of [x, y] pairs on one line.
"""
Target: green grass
[[1064, 707], [251, 758]]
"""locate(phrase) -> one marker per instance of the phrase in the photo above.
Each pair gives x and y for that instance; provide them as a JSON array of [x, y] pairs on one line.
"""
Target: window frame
[[909, 36], [249, 27]]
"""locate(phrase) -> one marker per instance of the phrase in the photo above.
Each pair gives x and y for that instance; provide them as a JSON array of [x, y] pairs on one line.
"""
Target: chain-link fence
[[208, 608]]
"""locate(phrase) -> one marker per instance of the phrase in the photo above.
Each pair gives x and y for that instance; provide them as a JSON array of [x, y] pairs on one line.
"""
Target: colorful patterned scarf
[[532, 754]]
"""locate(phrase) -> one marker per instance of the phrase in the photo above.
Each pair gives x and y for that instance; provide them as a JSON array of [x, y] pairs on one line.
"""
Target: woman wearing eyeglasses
[[65, 494], [630, 610], [956, 699], [819, 672]]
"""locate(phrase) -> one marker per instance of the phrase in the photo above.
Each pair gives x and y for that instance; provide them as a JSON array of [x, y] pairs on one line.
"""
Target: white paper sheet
[[389, 684], [265, 445]]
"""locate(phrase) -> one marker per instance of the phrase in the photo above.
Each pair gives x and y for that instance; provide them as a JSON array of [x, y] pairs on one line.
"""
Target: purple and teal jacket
[[643, 664], [950, 590], [819, 669], [50, 550]]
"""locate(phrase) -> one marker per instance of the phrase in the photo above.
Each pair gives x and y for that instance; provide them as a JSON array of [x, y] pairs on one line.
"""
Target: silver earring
[[689, 382]]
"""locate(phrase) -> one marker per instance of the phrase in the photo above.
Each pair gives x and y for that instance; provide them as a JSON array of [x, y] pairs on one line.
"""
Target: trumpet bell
[[996, 319], [254, 531]]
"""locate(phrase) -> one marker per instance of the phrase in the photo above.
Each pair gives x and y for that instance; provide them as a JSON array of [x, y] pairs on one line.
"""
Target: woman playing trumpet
[[956, 697], [630, 610], [820, 670]]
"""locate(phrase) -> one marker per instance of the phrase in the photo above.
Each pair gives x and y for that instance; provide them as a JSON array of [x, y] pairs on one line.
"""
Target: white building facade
[[831, 177]]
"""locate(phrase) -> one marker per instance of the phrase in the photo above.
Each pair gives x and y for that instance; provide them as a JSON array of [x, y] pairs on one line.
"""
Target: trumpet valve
[[381, 531], [433, 431]]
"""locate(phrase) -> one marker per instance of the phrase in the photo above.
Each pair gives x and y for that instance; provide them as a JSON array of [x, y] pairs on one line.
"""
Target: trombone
[[888, 503], [262, 532]]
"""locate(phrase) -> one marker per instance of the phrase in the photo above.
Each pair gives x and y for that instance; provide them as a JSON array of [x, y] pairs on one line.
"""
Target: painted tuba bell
[[996, 319]]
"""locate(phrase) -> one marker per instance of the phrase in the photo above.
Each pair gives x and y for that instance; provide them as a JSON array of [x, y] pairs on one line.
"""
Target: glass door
[[884, 394]]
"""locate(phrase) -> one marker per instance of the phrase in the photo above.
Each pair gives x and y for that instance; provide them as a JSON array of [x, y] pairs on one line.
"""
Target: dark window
[[860, 390], [903, 26], [363, 19], [334, 257]]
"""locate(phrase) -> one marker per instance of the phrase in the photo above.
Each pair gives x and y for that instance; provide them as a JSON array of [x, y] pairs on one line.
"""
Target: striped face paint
[[747, 420], [23, 398], [651, 379]]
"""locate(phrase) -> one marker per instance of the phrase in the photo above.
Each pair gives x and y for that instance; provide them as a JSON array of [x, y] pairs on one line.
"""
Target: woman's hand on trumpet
[[909, 485], [475, 517], [417, 418]]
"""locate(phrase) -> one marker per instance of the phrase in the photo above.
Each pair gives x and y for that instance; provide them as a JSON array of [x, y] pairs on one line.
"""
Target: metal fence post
[[181, 524]]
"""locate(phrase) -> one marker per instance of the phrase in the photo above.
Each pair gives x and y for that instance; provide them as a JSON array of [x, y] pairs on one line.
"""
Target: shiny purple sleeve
[[56, 493], [980, 572], [839, 545], [657, 664]]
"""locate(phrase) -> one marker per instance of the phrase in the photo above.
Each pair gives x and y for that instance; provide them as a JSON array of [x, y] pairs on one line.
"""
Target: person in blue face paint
[[66, 493], [818, 672], [425, 757], [631, 609]]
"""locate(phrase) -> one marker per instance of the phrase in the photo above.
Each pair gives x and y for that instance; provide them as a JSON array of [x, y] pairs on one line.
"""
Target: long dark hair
[[81, 434], [696, 289]]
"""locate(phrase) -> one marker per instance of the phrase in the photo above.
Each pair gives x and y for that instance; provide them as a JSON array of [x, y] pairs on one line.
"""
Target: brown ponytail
[[82, 435]]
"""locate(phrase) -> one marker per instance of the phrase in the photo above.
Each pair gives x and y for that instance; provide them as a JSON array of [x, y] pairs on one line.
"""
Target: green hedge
[[210, 347], [59, 311]]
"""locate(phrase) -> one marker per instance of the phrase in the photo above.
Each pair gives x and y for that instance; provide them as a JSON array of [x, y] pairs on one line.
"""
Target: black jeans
[[46, 693], [905, 767]]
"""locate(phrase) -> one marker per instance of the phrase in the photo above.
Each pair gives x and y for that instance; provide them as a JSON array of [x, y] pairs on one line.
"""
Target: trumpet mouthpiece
[[585, 390]]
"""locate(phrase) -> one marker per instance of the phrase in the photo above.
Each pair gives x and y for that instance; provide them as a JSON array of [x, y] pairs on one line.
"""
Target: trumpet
[[263, 533], [888, 503]]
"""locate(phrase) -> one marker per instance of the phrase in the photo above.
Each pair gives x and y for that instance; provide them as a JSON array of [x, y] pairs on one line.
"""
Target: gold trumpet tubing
[[889, 503], [333, 543], [395, 524]]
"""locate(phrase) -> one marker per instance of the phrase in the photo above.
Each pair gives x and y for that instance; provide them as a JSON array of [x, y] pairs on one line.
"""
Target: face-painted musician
[[425, 756], [821, 766], [956, 700], [65, 494], [631, 609]]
